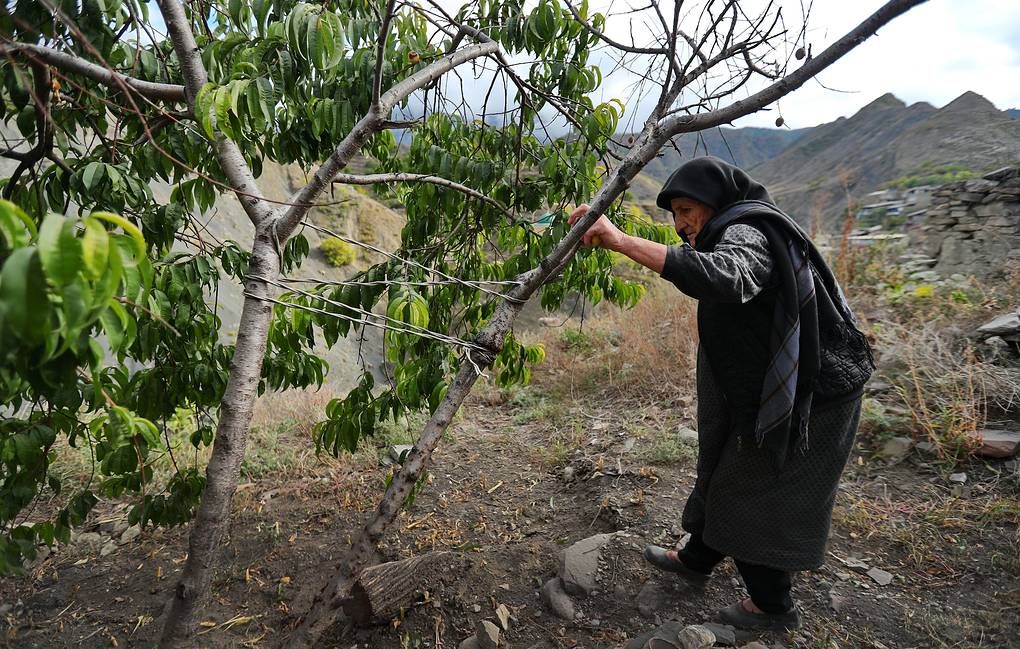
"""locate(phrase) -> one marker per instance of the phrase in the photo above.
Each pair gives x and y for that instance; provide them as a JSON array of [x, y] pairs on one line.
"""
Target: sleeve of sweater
[[737, 270]]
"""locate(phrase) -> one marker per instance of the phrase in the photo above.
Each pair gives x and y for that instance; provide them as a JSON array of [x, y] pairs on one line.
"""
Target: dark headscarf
[[713, 182]]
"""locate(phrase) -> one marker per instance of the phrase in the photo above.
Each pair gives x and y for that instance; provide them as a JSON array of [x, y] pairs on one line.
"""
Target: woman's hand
[[602, 233]]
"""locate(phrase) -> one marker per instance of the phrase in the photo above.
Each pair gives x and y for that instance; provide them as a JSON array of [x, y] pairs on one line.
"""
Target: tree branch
[[789, 83], [609, 41], [195, 76], [97, 73], [380, 52]]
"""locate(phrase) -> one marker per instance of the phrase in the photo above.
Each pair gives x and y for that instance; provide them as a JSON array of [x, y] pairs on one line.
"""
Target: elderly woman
[[781, 367]]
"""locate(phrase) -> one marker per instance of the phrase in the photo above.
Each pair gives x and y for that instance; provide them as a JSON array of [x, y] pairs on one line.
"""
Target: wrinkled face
[[689, 216]]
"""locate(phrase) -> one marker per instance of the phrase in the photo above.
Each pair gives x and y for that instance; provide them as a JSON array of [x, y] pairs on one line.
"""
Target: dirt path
[[519, 481]]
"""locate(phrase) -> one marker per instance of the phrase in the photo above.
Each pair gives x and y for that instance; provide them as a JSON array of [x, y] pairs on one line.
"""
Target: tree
[[233, 85]]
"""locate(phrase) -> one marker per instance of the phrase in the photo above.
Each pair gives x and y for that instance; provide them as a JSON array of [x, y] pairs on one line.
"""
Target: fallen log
[[382, 591]]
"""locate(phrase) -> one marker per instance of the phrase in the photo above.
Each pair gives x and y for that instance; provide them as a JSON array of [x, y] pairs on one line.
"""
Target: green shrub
[[337, 252]]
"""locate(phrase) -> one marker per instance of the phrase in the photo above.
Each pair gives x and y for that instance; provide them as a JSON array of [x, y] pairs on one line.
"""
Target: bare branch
[[97, 73], [380, 52], [794, 80], [372, 179], [613, 43]]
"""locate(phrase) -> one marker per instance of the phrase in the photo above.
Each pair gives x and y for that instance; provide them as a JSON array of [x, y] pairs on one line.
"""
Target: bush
[[337, 252]]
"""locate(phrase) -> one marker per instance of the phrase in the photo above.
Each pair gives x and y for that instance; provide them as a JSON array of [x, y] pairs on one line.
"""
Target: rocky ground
[[532, 524]]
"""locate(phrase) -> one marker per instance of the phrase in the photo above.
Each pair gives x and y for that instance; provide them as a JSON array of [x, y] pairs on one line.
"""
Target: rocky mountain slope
[[811, 171]]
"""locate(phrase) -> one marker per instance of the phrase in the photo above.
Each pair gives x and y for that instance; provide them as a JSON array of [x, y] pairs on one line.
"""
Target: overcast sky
[[933, 53]]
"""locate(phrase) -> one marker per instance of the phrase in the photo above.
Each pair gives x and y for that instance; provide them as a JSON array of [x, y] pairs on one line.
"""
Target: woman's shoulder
[[740, 233]]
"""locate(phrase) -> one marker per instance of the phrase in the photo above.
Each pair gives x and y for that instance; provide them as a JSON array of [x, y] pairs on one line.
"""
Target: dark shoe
[[658, 558], [739, 617]]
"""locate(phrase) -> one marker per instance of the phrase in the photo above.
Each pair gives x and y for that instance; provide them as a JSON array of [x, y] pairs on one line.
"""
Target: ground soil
[[500, 498]]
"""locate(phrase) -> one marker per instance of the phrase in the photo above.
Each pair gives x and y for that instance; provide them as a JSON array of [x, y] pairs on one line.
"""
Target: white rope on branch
[[410, 262], [422, 333]]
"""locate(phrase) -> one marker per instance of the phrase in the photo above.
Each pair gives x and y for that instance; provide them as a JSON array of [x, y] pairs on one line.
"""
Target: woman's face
[[689, 216]]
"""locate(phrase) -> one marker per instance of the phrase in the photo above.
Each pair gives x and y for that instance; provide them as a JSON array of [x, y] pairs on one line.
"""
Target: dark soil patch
[[500, 499]]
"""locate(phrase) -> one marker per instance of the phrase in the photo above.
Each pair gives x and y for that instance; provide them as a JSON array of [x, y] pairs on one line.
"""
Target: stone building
[[973, 226]]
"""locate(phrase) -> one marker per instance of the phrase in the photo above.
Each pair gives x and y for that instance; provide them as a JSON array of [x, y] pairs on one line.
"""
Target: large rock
[[579, 564], [488, 635], [1003, 325], [999, 443]]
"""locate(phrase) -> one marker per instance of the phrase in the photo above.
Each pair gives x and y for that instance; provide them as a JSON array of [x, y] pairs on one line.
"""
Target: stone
[[503, 615], [399, 449], [754, 645], [487, 634], [877, 387], [628, 445], [856, 565], [1001, 444], [668, 633], [880, 577], [725, 636], [568, 473], [836, 601], [695, 637], [1003, 173], [557, 599], [470, 642], [130, 534], [650, 599], [896, 448], [549, 321], [687, 433], [107, 548], [89, 540], [579, 564], [958, 478], [1008, 323]]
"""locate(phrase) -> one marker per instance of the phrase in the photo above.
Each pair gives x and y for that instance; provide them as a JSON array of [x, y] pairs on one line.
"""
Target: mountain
[[886, 140], [744, 147], [1013, 112]]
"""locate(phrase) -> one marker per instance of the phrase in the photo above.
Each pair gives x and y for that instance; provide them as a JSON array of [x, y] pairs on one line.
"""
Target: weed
[[669, 448]]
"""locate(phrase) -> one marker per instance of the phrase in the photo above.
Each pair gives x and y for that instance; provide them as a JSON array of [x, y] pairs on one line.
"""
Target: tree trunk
[[228, 449], [382, 591]]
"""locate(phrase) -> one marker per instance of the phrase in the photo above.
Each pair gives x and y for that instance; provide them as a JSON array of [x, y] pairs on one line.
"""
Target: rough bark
[[97, 73], [236, 409], [382, 591]]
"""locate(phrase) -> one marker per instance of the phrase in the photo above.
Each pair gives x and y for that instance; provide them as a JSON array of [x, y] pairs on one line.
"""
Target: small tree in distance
[[106, 104]]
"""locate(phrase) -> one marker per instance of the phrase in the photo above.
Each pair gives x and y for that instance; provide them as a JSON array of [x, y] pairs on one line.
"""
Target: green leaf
[[95, 248], [128, 227], [13, 224], [24, 306], [59, 250]]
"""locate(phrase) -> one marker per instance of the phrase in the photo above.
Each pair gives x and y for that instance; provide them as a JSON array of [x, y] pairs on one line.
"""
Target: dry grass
[[646, 354]]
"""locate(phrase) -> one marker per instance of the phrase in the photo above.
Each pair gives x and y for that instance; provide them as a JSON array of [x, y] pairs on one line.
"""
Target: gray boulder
[[579, 564]]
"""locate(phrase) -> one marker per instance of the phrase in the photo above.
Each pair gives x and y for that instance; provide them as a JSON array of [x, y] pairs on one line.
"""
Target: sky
[[933, 53]]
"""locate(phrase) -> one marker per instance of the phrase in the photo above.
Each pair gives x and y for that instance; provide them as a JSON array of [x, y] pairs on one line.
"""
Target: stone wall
[[973, 226]]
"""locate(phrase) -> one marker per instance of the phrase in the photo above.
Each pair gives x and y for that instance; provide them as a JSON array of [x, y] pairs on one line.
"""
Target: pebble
[[696, 637], [557, 599], [130, 534], [107, 548], [881, 577]]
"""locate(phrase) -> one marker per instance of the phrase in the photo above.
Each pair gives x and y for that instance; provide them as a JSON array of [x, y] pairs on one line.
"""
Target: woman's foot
[[667, 560], [748, 617]]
